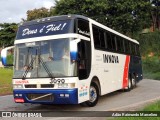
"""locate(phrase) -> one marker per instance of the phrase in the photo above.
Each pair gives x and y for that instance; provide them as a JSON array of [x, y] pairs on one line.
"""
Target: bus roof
[[52, 18], [64, 17]]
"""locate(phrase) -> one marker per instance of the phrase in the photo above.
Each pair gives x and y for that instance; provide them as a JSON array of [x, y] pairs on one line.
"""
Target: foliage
[[90, 8], [155, 14], [151, 67], [126, 16], [129, 16], [37, 13], [7, 34], [150, 43], [150, 52], [10, 59]]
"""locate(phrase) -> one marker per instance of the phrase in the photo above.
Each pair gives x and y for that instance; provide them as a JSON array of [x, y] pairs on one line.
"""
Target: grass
[[6, 81], [152, 107], [150, 75]]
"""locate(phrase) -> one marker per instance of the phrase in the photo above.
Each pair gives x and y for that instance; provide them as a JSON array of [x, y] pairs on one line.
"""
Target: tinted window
[[83, 27], [102, 38], [96, 37], [137, 49], [113, 42], [109, 40], [127, 47], [120, 44], [132, 47]]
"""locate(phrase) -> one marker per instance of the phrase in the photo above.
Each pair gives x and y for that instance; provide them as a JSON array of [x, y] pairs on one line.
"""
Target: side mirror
[[74, 49], [7, 56]]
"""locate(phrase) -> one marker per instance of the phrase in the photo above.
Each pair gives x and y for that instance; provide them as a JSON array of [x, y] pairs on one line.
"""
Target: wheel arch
[[97, 82]]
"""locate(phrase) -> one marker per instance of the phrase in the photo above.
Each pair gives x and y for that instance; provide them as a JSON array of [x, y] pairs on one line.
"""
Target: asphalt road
[[145, 92]]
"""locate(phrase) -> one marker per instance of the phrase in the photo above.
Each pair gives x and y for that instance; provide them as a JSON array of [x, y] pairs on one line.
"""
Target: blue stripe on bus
[[4, 60], [72, 99], [74, 55]]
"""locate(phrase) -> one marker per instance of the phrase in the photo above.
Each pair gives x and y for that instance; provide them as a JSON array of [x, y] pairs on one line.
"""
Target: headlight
[[62, 85], [66, 85], [17, 86]]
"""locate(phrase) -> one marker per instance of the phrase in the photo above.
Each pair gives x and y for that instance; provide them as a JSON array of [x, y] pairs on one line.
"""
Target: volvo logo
[[57, 81]]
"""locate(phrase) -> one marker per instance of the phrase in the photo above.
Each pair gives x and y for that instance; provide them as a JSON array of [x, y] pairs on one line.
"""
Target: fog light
[[61, 95], [66, 95]]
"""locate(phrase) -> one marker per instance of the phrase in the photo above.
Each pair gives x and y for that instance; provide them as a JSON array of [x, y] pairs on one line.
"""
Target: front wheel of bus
[[93, 95]]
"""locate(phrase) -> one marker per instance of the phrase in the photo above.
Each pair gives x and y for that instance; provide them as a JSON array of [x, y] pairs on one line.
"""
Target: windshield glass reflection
[[44, 59]]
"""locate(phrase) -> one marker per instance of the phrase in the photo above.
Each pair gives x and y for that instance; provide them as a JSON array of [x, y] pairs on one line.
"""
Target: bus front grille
[[40, 97], [47, 85], [41, 86], [30, 86]]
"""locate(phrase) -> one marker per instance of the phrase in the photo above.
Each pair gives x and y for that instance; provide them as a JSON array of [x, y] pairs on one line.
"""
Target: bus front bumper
[[46, 96]]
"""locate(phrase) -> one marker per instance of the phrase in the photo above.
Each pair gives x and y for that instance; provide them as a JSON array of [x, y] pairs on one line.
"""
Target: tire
[[94, 95], [129, 87], [134, 82]]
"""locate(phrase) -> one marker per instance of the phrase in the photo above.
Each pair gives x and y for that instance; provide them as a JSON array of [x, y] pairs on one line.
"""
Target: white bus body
[[98, 61]]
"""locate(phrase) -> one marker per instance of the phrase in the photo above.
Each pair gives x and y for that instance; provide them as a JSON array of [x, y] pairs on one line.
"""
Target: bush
[[150, 42], [151, 67], [10, 59]]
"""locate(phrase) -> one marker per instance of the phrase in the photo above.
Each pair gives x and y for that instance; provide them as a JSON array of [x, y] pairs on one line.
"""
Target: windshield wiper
[[31, 64], [28, 68], [45, 67]]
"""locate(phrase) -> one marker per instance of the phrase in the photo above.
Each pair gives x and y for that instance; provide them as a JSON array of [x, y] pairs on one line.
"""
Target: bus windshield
[[40, 59]]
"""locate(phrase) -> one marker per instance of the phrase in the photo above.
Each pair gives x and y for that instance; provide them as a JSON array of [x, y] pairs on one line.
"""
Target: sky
[[14, 10]]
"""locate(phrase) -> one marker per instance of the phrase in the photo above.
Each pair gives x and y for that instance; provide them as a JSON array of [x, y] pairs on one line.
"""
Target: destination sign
[[43, 29]]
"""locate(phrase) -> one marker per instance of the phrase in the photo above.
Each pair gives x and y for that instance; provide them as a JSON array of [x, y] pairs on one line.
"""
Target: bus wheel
[[93, 95], [133, 81], [129, 87]]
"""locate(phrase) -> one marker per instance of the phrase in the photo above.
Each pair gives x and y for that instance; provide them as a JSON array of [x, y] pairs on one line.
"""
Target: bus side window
[[119, 44], [132, 48], [83, 27], [137, 50], [108, 41], [113, 42], [102, 38], [84, 59], [96, 37], [127, 47]]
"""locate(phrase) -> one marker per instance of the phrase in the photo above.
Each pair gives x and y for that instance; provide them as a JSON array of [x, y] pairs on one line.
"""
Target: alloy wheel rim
[[93, 94]]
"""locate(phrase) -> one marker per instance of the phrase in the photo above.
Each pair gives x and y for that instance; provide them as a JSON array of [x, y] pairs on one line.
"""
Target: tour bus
[[72, 59]]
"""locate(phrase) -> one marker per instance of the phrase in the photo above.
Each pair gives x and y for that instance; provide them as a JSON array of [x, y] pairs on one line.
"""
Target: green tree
[[155, 14], [90, 8], [7, 34], [37, 13], [129, 16], [126, 16]]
